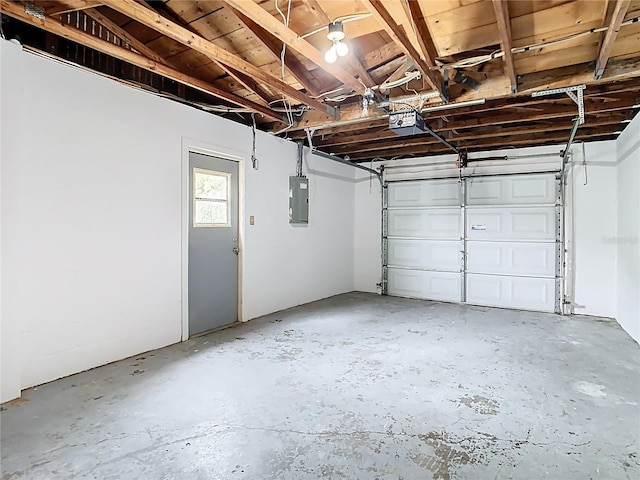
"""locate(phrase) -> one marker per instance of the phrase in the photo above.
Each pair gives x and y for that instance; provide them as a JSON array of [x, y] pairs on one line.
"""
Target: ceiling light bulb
[[341, 48], [331, 56]]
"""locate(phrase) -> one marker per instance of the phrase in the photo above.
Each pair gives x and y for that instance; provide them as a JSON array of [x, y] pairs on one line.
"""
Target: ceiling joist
[[559, 136], [520, 129]]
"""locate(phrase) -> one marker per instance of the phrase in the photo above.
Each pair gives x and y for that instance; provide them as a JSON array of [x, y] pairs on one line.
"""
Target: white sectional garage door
[[424, 240], [486, 240]]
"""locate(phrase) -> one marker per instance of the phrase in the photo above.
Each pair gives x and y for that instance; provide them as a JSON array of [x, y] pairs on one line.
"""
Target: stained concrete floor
[[357, 386]]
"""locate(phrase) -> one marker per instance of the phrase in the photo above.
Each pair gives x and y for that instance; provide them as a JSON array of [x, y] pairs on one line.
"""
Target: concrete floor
[[353, 387]]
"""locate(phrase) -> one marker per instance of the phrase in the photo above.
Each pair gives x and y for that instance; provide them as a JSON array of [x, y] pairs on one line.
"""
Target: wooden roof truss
[[469, 66]]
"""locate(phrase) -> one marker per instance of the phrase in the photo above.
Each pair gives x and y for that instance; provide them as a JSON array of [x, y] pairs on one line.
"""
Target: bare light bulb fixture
[[339, 48]]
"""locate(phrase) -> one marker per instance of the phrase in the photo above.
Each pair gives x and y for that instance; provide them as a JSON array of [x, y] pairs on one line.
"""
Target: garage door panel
[[507, 227], [533, 259], [510, 190], [437, 223], [444, 286], [425, 254], [424, 194], [512, 292], [512, 223]]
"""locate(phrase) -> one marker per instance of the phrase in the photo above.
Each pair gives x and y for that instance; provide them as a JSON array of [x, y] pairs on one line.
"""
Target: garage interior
[[320, 239]]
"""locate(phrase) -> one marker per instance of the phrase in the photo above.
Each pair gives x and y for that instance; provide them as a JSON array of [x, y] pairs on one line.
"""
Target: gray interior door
[[213, 243]]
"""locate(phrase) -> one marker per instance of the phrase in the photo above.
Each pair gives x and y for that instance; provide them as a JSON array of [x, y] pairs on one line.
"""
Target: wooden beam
[[293, 65], [610, 37], [247, 82], [549, 112], [323, 18], [381, 56], [501, 9], [397, 35], [526, 127], [69, 32], [68, 6], [546, 110], [616, 71], [489, 90], [126, 36], [239, 77], [317, 11], [425, 40], [244, 80], [180, 34], [559, 136], [270, 23], [439, 149]]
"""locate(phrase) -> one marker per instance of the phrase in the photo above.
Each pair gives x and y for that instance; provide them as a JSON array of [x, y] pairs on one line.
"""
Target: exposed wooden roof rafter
[[501, 9], [180, 34], [295, 68], [425, 39], [396, 33], [619, 12], [68, 6], [215, 47], [267, 21], [122, 33], [357, 67], [244, 80], [64, 30]]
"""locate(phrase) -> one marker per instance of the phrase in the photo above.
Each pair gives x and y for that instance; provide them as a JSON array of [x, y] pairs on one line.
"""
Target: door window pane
[[210, 186], [210, 198], [211, 212]]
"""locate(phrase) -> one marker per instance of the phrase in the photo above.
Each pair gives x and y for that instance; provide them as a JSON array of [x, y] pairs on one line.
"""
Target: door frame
[[190, 145]]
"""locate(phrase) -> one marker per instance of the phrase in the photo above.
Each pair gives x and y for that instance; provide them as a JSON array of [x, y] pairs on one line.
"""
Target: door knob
[[236, 250]]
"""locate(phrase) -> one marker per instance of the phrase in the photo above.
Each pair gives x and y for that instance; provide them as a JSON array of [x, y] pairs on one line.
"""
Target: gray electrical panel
[[298, 200]]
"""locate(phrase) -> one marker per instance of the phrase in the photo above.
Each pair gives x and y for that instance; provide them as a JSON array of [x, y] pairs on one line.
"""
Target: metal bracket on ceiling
[[333, 112], [310, 131], [34, 10], [463, 159], [445, 86], [575, 93]]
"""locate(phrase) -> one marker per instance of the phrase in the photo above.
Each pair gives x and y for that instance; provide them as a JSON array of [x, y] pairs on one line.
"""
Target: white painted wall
[[594, 207], [595, 222], [627, 240], [289, 265], [91, 220]]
